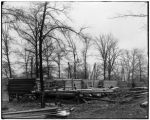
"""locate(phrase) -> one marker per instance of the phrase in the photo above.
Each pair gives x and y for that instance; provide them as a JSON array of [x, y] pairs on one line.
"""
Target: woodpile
[[37, 113]]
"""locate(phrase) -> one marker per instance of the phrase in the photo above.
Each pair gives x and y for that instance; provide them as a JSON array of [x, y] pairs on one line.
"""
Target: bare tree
[[141, 63], [44, 32], [126, 63], [7, 20], [39, 23], [6, 49], [73, 50], [24, 58], [27, 26], [113, 54], [46, 29], [101, 45], [106, 46], [48, 50], [60, 53], [139, 15], [86, 45], [134, 64]]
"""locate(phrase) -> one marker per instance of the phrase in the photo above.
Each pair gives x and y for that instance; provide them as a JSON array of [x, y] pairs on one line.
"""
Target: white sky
[[96, 15]]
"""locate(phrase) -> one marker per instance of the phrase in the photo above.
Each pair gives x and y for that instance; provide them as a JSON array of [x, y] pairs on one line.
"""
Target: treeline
[[49, 47]]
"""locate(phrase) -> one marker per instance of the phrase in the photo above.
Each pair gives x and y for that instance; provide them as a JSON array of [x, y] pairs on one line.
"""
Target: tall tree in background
[[27, 27], [48, 51], [101, 45], [24, 58], [73, 51], [6, 39], [7, 20], [39, 23], [133, 63], [141, 63], [45, 30], [107, 48], [86, 45], [126, 62], [59, 54], [143, 15], [113, 53]]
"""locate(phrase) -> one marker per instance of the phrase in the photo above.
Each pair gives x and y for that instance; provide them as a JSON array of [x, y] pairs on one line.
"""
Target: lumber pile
[[120, 96], [37, 113], [125, 96]]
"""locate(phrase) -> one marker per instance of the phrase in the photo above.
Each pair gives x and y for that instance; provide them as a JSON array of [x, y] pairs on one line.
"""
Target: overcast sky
[[96, 15], [131, 32]]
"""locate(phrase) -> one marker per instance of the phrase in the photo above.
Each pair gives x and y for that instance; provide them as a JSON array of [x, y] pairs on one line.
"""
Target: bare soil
[[105, 110]]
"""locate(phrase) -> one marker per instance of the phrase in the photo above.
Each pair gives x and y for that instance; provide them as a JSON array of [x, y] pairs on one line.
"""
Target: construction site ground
[[94, 109], [101, 109]]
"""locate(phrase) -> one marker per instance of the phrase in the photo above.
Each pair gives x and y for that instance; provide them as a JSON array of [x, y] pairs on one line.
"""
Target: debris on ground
[[123, 103], [144, 104]]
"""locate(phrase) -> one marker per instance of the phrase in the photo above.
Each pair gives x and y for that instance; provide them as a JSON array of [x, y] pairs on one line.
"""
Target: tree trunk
[[109, 71], [74, 66], [140, 70], [36, 61], [85, 69], [47, 61], [104, 70], [26, 65], [41, 75], [31, 66], [129, 76], [48, 72], [58, 70], [68, 70], [7, 55], [140, 73], [133, 77], [9, 66], [109, 74], [7, 73], [40, 56], [58, 66], [10, 73]]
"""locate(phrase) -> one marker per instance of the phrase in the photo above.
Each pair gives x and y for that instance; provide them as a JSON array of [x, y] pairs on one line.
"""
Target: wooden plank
[[21, 115], [31, 111], [27, 117], [38, 113]]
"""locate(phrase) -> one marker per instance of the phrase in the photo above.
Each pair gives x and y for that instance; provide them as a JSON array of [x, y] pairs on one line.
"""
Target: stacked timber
[[37, 113]]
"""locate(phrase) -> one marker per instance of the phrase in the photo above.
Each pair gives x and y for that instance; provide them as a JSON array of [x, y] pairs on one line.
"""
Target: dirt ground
[[94, 109], [99, 109]]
